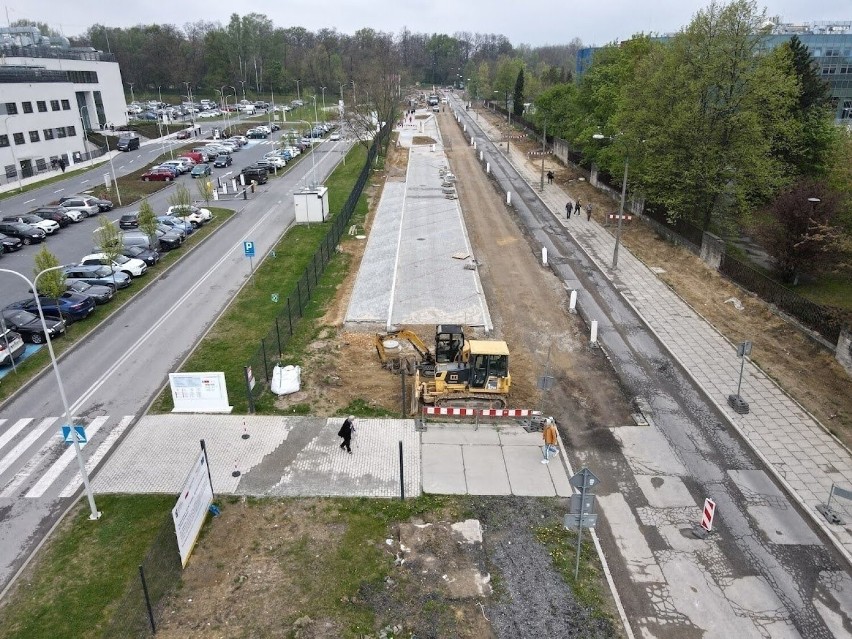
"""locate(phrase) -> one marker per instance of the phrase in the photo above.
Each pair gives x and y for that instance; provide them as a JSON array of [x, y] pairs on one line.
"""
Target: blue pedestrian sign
[[69, 438], [248, 249]]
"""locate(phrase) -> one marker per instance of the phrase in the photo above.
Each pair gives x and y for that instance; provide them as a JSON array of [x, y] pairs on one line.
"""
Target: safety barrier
[[479, 412]]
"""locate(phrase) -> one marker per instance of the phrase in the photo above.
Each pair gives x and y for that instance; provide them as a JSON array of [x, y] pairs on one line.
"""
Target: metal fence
[[159, 573], [259, 367]]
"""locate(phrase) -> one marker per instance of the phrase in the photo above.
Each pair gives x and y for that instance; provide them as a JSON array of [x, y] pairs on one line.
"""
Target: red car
[[163, 175], [183, 135]]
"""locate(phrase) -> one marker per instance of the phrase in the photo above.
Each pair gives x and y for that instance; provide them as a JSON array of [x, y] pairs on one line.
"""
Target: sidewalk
[[796, 448]]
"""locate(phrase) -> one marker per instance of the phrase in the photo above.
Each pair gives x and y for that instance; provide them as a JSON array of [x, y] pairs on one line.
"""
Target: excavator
[[461, 372]]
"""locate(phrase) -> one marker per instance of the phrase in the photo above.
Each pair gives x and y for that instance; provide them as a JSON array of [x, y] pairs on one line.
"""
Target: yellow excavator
[[461, 372]]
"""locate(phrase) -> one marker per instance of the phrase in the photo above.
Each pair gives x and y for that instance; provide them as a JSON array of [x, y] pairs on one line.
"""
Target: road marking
[[238, 247], [26, 442], [28, 201], [95, 459], [59, 190], [43, 453], [10, 434], [84, 182], [121, 167], [61, 464]]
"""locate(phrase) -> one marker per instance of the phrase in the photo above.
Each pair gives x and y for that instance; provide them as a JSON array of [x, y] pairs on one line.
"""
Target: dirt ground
[[801, 366]]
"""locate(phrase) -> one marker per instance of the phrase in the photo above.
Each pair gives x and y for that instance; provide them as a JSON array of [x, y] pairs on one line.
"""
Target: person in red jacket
[[551, 440]]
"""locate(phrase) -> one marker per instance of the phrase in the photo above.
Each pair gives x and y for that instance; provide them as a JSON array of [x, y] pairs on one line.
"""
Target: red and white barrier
[[447, 410], [508, 412], [615, 216], [480, 412], [707, 517]]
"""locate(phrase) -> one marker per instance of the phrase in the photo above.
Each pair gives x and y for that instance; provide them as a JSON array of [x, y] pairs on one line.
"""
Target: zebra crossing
[[35, 461]]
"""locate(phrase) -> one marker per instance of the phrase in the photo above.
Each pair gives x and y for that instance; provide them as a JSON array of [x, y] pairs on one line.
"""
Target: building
[[830, 43], [50, 94]]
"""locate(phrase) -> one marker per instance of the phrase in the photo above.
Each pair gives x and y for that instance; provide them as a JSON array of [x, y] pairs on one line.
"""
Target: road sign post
[[248, 250], [584, 481]]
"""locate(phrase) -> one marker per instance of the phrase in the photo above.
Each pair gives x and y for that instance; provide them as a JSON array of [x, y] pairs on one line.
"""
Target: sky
[[533, 22]]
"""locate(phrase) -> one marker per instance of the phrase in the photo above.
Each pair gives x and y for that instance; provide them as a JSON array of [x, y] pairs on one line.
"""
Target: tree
[[50, 284], [181, 200], [798, 230], [518, 97], [148, 222], [110, 241], [205, 190]]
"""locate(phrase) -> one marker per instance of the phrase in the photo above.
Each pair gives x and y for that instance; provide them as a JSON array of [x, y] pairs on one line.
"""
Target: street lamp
[[323, 103], [132, 97], [191, 105], [235, 103], [94, 514], [599, 136], [298, 96], [243, 83], [12, 149], [112, 170]]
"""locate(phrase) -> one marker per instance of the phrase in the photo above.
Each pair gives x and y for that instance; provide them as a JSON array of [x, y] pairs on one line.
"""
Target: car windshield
[[132, 251], [102, 271], [79, 287], [121, 259], [21, 317]]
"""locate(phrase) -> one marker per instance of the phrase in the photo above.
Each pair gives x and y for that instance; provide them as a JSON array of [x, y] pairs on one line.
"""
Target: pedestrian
[[551, 439], [589, 212], [568, 210], [346, 432], [62, 164], [550, 177], [577, 206]]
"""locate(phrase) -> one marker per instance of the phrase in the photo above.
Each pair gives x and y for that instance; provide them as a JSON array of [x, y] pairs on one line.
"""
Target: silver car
[[85, 205]]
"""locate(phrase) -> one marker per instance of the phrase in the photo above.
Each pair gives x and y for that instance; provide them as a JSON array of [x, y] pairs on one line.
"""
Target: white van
[[248, 109]]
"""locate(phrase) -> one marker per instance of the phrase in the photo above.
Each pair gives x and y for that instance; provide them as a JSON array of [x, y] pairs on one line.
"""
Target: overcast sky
[[535, 22]]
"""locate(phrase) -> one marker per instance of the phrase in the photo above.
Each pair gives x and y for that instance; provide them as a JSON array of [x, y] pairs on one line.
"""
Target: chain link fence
[[258, 370]]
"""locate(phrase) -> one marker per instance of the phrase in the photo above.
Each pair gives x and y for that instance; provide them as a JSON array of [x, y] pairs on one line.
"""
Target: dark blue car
[[70, 306]]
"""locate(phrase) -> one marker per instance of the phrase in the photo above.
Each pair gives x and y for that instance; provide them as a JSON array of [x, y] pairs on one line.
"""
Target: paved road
[[112, 376], [765, 571]]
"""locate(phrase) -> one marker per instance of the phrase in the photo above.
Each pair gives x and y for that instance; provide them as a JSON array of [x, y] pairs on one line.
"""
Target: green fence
[[260, 365]]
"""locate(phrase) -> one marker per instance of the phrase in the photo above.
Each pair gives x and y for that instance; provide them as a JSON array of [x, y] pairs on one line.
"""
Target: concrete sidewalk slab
[[484, 469], [443, 469], [459, 434]]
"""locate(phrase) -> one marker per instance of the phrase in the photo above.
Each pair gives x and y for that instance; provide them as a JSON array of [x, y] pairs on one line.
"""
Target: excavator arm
[[403, 334]]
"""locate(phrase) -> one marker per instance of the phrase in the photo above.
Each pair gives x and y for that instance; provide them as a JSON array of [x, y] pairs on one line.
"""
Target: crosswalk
[[36, 463]]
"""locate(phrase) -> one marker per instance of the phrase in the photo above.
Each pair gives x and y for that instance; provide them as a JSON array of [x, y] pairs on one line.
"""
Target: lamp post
[[243, 83], [543, 151], [598, 136], [323, 103], [12, 149], [94, 514], [191, 105], [235, 102], [132, 97], [112, 170], [298, 95]]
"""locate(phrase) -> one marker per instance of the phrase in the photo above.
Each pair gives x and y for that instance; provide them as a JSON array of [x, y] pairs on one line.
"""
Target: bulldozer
[[460, 372]]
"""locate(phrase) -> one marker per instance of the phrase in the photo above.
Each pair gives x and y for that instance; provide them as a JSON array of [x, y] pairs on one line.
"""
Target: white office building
[[50, 94]]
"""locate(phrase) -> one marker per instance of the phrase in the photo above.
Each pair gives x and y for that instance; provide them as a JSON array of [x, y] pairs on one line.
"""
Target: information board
[[191, 508], [199, 393]]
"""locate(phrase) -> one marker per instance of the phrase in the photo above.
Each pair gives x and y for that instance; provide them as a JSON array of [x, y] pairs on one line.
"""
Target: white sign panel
[[191, 507], [199, 393]]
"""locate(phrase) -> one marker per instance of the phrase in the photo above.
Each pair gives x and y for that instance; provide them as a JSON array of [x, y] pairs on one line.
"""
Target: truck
[[433, 100]]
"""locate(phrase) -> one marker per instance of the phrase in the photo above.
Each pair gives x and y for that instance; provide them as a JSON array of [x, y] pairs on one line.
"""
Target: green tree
[[110, 240], [205, 190], [180, 199], [518, 95], [148, 222], [52, 283]]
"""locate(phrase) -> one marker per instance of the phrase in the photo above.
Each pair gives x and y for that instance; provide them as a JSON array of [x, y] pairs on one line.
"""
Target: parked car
[[168, 167], [55, 213], [168, 229], [178, 224], [195, 215], [100, 294], [149, 256], [334, 137], [28, 324], [69, 306], [102, 204], [48, 226], [129, 221], [180, 167], [169, 239], [183, 135], [277, 161], [158, 174], [97, 274], [11, 346], [222, 161], [10, 244], [24, 232], [141, 240], [254, 134], [200, 170], [255, 173], [196, 158], [88, 206], [128, 266]]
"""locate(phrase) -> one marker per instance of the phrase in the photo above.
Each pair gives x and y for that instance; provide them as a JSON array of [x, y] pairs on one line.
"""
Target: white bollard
[[215, 195], [432, 148], [572, 304], [234, 183], [481, 155], [488, 167], [464, 127], [509, 198], [224, 188], [594, 339], [544, 256]]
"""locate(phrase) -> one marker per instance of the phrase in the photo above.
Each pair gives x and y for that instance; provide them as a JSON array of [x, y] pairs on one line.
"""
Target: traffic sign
[[585, 479], [572, 521], [69, 438], [582, 504], [248, 249]]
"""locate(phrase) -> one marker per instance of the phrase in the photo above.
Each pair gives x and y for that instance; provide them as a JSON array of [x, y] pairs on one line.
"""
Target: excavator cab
[[449, 343], [489, 366]]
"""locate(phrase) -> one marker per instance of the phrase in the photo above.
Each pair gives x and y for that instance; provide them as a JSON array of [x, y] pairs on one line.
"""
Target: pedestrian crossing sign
[[69, 438]]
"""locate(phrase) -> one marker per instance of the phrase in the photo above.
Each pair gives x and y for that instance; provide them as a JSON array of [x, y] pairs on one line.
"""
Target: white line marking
[[10, 434], [43, 453], [25, 443], [121, 167], [59, 190], [28, 201], [61, 464], [85, 182], [95, 459]]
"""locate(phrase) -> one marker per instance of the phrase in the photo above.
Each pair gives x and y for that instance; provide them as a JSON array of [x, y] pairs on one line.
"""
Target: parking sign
[[248, 249]]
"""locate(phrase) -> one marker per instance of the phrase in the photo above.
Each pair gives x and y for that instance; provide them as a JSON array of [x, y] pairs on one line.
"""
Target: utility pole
[[543, 151]]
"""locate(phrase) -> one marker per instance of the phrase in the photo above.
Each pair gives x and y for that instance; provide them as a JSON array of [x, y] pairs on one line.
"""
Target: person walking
[[550, 177], [589, 212], [577, 206], [568, 210], [346, 431], [550, 440]]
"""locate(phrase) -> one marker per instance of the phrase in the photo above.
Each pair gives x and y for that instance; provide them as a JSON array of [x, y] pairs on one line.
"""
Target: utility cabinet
[[311, 205]]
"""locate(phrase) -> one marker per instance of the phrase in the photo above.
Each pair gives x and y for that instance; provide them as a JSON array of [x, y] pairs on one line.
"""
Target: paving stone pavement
[[795, 446]]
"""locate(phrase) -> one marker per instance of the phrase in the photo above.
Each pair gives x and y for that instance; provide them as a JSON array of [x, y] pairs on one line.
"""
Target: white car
[[48, 226], [131, 266], [195, 215], [209, 114], [334, 137], [277, 161], [182, 167]]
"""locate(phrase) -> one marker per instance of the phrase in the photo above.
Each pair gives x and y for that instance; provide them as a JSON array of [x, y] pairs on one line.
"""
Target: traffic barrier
[[709, 512], [615, 216], [479, 412]]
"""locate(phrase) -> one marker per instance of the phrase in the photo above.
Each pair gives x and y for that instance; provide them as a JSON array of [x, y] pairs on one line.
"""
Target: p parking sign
[[248, 249]]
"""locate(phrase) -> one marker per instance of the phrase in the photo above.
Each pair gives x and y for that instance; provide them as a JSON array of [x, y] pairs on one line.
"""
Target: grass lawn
[[235, 338], [79, 330]]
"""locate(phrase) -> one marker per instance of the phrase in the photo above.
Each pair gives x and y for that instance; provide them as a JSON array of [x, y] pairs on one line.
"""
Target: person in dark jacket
[[346, 433]]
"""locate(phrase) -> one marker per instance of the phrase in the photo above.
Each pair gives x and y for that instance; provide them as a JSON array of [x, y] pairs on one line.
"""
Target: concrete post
[[509, 198], [481, 155], [843, 352], [572, 304], [544, 256], [488, 167], [215, 195], [594, 339]]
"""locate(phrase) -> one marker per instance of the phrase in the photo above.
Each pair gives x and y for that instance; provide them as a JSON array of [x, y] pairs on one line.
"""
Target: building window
[[60, 131], [71, 131], [4, 141], [54, 105], [18, 137], [41, 164], [34, 136], [11, 108], [42, 106], [28, 107], [66, 105], [817, 52], [48, 134], [10, 171]]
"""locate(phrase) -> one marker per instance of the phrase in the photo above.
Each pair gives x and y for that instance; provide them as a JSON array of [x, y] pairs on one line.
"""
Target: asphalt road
[[707, 457], [116, 371]]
